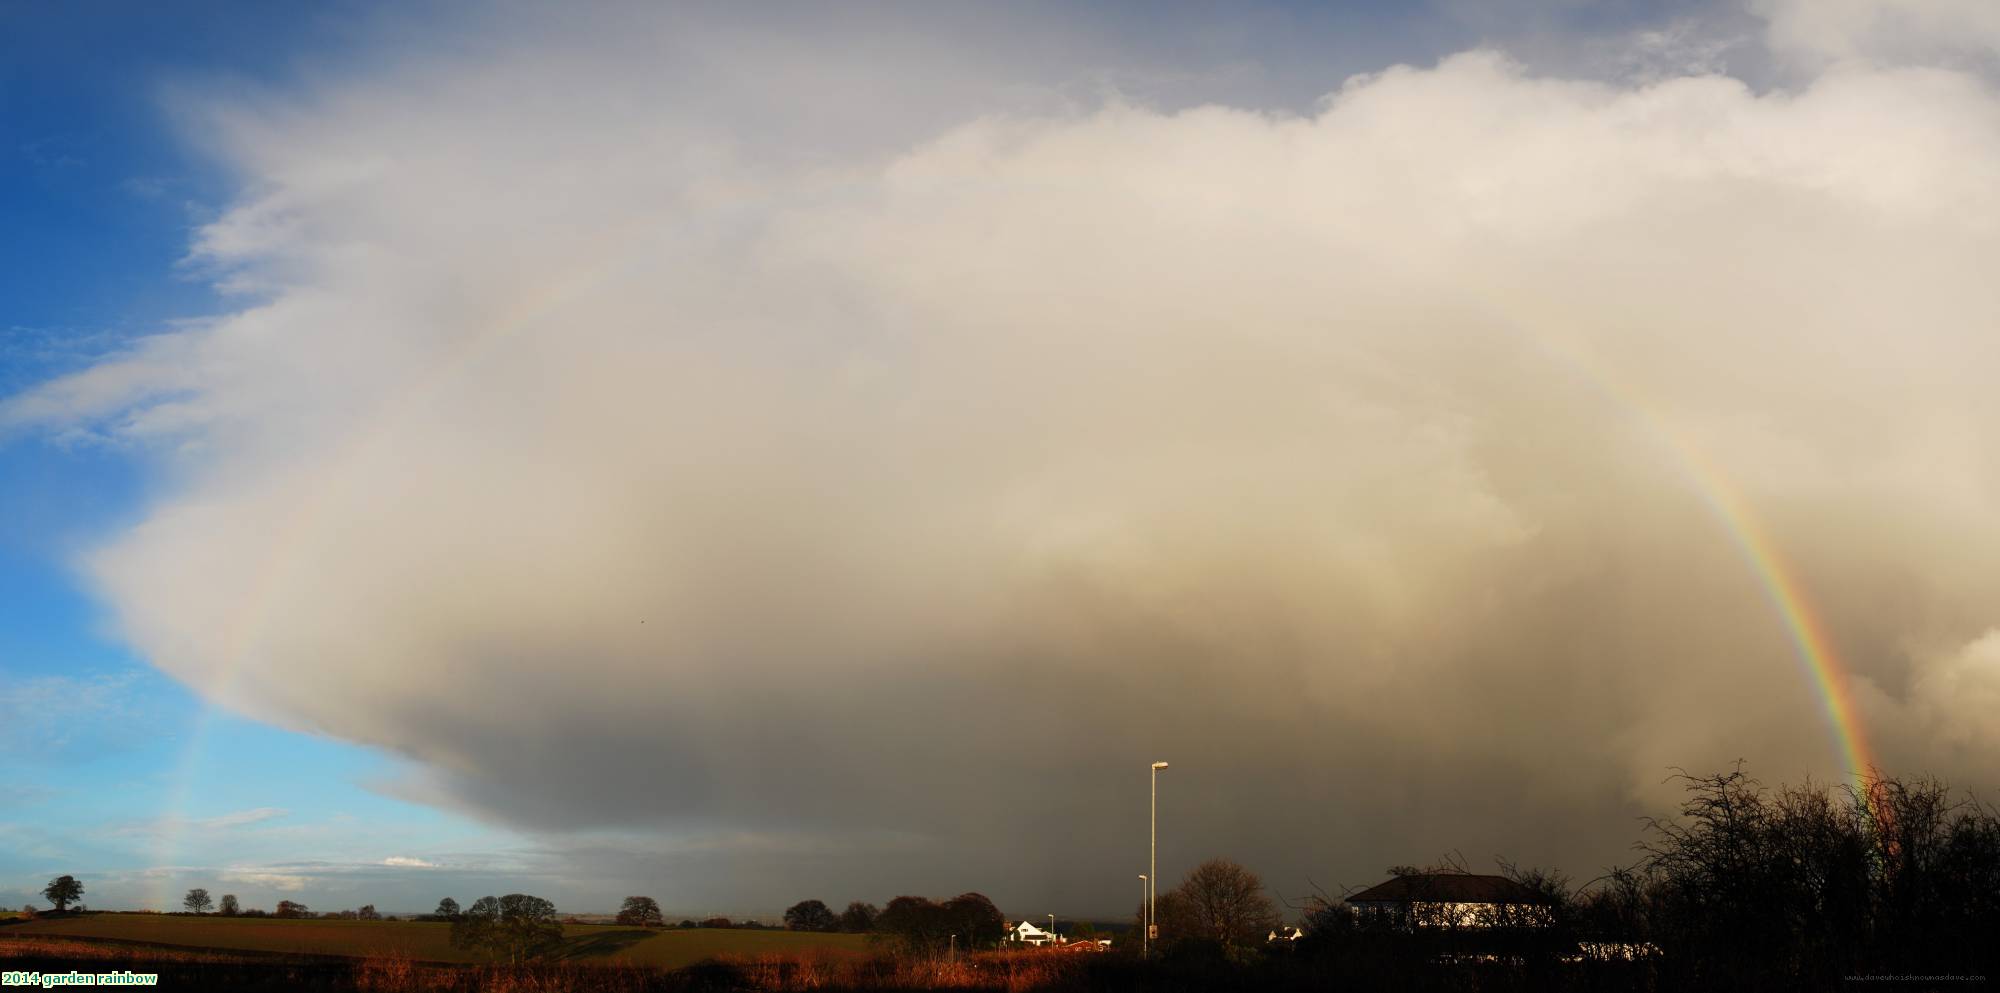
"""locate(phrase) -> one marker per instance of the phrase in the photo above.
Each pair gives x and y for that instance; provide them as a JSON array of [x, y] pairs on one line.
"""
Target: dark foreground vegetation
[[1892, 886], [1895, 886]]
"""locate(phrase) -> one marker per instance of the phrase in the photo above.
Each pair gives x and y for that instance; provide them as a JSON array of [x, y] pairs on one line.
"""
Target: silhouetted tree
[[1220, 901], [975, 920], [61, 890], [1800, 887], [197, 901], [641, 911], [810, 915], [289, 909], [367, 913], [916, 925], [858, 918], [718, 922], [447, 909], [516, 926], [229, 906]]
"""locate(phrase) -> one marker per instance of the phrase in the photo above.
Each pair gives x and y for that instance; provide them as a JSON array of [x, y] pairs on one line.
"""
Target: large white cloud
[[635, 449], [1820, 31]]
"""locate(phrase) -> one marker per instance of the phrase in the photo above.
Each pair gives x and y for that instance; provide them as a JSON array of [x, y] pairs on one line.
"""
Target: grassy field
[[748, 962], [582, 943]]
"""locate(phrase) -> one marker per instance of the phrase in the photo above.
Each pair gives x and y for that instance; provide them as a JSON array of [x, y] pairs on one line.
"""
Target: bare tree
[[1220, 901], [197, 901], [230, 908]]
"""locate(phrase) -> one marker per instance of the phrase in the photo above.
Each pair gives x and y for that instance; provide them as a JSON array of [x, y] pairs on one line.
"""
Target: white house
[[1028, 934], [1285, 932]]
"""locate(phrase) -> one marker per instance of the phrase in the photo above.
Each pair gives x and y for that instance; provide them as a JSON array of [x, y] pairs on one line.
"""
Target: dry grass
[[387, 973], [1011, 972]]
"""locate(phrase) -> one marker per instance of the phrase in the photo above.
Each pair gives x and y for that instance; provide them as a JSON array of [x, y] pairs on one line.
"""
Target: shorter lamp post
[[1145, 939]]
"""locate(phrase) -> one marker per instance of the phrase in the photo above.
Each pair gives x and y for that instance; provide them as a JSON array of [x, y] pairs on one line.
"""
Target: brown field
[[425, 942], [1006, 972], [820, 969], [82, 949]]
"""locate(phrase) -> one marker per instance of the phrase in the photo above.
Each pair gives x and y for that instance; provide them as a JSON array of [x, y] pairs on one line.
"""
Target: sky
[[747, 455]]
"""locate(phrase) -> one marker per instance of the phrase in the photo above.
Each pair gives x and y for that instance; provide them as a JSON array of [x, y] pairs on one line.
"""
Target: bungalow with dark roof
[[1455, 900]]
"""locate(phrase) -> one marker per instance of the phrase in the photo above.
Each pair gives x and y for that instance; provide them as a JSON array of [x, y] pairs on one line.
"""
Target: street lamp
[[1153, 859], [1052, 930], [1145, 943]]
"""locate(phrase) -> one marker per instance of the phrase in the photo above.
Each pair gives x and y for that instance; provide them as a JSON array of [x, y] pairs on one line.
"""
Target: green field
[[582, 943]]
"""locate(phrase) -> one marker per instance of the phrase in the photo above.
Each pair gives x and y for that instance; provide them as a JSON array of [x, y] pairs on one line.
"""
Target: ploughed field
[[425, 941]]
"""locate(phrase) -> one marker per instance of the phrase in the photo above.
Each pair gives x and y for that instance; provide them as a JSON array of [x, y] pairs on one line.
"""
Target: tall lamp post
[[1145, 918], [1153, 859]]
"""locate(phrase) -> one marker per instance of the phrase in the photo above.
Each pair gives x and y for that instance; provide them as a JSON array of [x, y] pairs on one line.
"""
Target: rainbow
[[1809, 638], [1805, 630]]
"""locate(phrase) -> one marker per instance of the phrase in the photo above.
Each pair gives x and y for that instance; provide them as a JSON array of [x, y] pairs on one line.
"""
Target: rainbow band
[[1807, 632], [1812, 645]]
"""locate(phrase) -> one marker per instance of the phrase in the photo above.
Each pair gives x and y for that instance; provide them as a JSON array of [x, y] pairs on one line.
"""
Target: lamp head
[[1159, 765]]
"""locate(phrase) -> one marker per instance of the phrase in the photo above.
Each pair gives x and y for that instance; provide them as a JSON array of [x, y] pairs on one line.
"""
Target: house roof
[[1448, 887]]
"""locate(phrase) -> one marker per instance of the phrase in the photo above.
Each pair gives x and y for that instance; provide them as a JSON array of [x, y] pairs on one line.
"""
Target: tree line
[[968, 920], [1797, 887], [813, 915]]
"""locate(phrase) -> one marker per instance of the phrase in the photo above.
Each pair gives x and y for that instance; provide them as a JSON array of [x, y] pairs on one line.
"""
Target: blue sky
[[449, 450], [99, 196]]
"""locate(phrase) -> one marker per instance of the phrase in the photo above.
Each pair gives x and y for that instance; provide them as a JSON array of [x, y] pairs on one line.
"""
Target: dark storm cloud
[[782, 503]]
